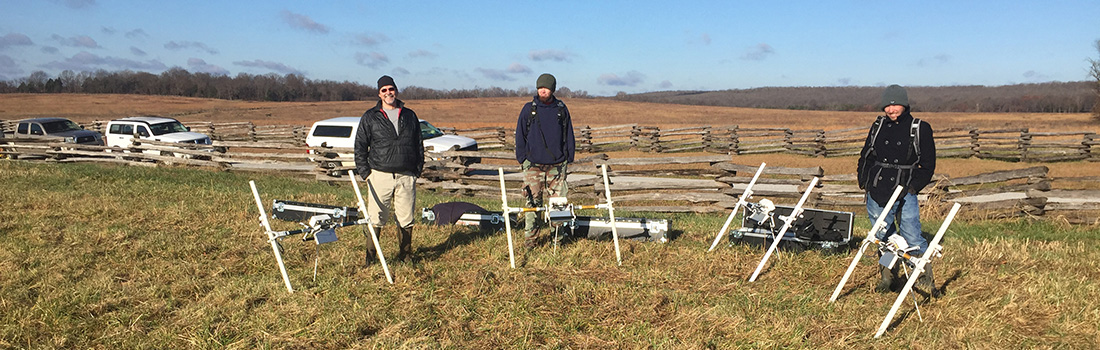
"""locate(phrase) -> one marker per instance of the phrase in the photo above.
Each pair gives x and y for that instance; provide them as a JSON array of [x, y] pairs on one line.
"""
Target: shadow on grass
[[927, 297], [461, 237]]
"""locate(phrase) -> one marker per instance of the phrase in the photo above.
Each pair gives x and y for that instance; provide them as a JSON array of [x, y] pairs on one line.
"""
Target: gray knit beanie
[[894, 95], [547, 81]]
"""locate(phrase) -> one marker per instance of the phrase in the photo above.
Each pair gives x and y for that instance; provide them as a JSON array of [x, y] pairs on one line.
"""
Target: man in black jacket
[[899, 151], [390, 154]]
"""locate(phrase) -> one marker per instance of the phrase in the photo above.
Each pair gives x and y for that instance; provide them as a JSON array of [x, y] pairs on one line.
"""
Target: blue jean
[[908, 220]]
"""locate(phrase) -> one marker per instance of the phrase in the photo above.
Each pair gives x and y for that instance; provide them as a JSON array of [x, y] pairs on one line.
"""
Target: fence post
[[300, 134], [585, 144], [974, 151], [735, 141], [1024, 145], [635, 136], [708, 139], [251, 131], [1087, 141], [213, 132], [788, 142], [819, 140], [655, 144]]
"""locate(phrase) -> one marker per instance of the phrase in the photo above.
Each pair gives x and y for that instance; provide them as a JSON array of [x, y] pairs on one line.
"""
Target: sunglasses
[[387, 89]]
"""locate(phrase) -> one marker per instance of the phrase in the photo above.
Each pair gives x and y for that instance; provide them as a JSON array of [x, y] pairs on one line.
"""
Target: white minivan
[[340, 133]]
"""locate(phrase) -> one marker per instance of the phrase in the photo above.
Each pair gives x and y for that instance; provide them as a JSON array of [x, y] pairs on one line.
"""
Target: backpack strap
[[914, 136], [874, 135]]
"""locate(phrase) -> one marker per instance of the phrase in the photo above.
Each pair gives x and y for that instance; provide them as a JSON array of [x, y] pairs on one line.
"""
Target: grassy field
[[478, 112], [125, 257]]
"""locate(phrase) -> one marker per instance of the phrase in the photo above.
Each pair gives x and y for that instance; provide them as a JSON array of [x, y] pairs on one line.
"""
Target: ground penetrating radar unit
[[895, 251], [319, 223]]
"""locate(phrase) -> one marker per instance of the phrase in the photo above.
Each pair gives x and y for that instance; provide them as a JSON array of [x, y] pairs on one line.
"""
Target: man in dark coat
[[544, 146], [899, 151], [390, 153]]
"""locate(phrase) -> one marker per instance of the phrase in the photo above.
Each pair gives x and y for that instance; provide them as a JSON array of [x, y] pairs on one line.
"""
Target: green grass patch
[[125, 257]]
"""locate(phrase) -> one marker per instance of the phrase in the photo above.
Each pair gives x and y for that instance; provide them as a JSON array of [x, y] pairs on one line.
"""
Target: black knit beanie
[[386, 80], [547, 81]]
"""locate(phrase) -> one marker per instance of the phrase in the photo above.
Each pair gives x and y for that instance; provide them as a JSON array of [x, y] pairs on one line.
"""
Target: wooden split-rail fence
[[650, 184]]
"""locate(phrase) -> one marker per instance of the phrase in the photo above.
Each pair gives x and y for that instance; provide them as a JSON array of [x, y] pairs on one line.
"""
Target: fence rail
[[707, 183]]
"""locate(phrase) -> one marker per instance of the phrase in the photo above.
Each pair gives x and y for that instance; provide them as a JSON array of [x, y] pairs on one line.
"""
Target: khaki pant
[[390, 190]]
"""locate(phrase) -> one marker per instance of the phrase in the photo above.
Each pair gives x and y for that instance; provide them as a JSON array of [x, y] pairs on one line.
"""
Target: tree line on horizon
[[265, 87], [1051, 97]]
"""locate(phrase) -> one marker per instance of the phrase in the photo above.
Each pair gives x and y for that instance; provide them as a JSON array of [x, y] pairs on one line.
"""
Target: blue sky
[[602, 47]]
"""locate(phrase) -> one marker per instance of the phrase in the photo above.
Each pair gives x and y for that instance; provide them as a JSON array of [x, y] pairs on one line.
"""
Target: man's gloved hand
[[364, 174]]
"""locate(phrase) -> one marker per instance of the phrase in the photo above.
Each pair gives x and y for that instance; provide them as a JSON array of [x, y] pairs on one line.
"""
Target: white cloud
[[550, 55], [85, 61], [632, 78], [273, 66], [183, 45], [77, 41], [300, 21], [517, 68], [15, 39], [136, 33], [372, 59], [371, 39], [422, 53], [759, 52], [200, 66]]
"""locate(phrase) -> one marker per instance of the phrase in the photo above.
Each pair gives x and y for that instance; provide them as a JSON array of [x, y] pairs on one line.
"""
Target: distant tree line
[[1053, 97], [1094, 73], [267, 87]]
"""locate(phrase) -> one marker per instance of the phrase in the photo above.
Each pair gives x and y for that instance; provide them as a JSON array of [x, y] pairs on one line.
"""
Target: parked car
[[120, 131], [340, 133], [60, 129]]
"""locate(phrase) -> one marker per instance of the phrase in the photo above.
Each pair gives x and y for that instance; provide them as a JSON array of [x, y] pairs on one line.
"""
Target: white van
[[120, 131], [340, 133]]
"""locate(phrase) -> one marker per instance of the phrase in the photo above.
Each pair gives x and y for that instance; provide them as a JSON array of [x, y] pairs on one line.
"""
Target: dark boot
[[531, 239], [928, 281], [886, 279], [405, 241], [372, 254]]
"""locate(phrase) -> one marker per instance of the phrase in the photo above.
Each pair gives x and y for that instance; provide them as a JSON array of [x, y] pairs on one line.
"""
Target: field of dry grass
[[497, 112], [132, 257]]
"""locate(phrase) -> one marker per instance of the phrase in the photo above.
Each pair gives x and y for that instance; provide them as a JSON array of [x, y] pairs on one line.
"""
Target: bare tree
[[1094, 73]]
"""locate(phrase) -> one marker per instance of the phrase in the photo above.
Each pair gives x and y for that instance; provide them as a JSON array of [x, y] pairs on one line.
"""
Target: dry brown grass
[[498, 112], [128, 257]]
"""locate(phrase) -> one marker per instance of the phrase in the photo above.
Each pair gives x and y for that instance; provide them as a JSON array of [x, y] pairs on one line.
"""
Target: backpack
[[914, 137]]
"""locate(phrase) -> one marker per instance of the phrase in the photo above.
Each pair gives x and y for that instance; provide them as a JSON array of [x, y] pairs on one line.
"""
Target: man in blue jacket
[[899, 151], [544, 146], [390, 153]]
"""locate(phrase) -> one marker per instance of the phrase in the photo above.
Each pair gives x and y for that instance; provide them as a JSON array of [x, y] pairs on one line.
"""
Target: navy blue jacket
[[881, 166], [545, 139], [379, 147]]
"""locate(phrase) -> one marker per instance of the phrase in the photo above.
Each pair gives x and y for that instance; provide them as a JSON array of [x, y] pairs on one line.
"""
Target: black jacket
[[379, 147], [893, 161]]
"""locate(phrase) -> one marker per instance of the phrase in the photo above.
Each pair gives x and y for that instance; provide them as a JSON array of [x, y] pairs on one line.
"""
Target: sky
[[602, 47]]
